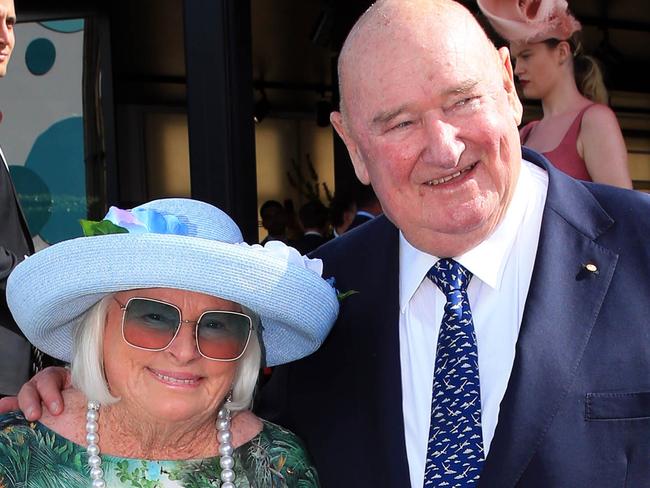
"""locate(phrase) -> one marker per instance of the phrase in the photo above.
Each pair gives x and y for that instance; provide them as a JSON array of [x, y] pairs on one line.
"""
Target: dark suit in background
[[15, 244], [576, 412], [360, 218], [309, 242]]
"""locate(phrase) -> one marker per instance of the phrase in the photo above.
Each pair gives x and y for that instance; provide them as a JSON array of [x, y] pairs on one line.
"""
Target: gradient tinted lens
[[223, 335], [150, 324]]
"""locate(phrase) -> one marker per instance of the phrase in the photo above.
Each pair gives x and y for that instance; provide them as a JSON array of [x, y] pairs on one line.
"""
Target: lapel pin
[[587, 270]]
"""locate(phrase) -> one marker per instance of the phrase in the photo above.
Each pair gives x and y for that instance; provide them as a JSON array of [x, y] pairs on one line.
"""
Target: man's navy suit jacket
[[15, 241], [576, 412]]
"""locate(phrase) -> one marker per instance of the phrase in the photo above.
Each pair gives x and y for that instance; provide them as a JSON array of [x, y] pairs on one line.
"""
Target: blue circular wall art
[[40, 56]]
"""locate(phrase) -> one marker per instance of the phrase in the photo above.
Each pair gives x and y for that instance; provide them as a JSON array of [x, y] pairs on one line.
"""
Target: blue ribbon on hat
[[136, 221]]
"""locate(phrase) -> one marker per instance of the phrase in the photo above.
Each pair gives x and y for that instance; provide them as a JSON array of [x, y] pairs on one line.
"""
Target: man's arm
[[46, 386], [43, 389], [8, 261]]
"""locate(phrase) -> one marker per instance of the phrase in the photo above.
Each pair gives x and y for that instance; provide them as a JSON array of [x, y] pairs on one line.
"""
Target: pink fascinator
[[530, 20]]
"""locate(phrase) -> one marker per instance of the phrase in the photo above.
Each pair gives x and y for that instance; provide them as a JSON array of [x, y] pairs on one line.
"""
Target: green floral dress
[[33, 456]]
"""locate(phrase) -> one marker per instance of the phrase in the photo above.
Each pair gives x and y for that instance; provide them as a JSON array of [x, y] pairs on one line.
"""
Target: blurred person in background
[[314, 219], [368, 206], [578, 132], [274, 220], [342, 210]]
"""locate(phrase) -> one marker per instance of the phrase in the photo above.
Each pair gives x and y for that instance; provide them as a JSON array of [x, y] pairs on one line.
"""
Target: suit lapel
[[23, 220], [562, 306], [377, 366]]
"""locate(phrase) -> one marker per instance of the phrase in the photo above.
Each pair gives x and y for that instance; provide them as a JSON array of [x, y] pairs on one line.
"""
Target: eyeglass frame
[[185, 322]]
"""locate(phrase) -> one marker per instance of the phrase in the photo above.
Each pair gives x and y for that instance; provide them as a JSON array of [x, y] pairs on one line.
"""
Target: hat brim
[[49, 291]]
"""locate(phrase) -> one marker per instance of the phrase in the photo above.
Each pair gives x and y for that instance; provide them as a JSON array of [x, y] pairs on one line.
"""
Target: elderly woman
[[164, 314]]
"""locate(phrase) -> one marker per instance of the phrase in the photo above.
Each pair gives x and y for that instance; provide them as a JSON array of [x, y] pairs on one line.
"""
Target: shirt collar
[[363, 213], [4, 160], [486, 261]]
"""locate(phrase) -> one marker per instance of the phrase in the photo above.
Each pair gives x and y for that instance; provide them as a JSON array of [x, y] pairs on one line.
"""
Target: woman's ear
[[564, 51]]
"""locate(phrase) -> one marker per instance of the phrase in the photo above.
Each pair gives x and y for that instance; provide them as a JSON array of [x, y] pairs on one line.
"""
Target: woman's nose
[[184, 347]]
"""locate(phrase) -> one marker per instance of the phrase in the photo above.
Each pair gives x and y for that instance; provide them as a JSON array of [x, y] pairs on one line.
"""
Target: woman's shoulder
[[276, 439], [598, 118], [524, 131], [19, 437], [71, 421], [598, 113], [15, 427], [10, 420], [275, 433], [281, 450]]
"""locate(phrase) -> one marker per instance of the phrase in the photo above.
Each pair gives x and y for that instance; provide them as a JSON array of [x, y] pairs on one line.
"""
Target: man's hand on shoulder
[[43, 389], [8, 404]]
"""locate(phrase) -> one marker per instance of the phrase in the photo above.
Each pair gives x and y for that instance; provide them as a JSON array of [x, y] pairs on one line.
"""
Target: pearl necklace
[[224, 436], [92, 438]]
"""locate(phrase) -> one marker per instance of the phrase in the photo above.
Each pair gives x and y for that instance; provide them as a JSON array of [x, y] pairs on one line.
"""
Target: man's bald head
[[420, 22]]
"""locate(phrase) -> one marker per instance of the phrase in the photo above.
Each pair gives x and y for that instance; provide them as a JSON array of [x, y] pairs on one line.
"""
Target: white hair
[[87, 366], [243, 386]]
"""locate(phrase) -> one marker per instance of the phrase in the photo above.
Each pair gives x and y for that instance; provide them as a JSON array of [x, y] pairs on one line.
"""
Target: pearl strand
[[92, 438], [224, 436]]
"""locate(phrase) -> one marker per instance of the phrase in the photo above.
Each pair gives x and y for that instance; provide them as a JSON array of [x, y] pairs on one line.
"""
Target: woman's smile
[[176, 379]]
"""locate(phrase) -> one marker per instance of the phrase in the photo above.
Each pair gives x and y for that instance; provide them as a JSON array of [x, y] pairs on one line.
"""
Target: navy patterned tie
[[455, 450]]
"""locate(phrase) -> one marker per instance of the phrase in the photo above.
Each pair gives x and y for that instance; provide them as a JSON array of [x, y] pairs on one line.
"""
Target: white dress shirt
[[4, 160], [502, 266]]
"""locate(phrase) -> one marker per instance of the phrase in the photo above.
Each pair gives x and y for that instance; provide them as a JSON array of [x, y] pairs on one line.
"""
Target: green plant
[[307, 185]]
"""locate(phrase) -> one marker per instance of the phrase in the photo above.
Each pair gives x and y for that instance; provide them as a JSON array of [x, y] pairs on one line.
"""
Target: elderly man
[[559, 338], [499, 335]]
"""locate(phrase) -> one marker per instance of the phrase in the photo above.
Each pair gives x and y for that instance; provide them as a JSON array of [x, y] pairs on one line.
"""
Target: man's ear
[[360, 169], [509, 84]]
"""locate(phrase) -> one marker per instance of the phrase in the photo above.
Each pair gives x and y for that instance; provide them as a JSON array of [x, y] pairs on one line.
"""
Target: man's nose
[[444, 147], [6, 32]]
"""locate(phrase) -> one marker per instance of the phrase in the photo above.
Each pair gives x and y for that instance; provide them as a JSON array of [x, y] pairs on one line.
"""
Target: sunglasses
[[152, 325]]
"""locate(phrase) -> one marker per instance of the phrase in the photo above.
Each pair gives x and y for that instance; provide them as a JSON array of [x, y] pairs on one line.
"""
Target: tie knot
[[448, 275]]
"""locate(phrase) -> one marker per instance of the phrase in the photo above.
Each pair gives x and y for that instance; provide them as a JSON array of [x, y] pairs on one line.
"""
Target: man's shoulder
[[360, 249], [357, 241], [594, 206], [626, 207]]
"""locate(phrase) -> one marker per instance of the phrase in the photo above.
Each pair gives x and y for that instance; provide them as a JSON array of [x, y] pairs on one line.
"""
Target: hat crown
[[530, 20]]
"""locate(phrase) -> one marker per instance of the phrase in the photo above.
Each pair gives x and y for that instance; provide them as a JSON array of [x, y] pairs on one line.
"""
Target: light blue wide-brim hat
[[174, 243]]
